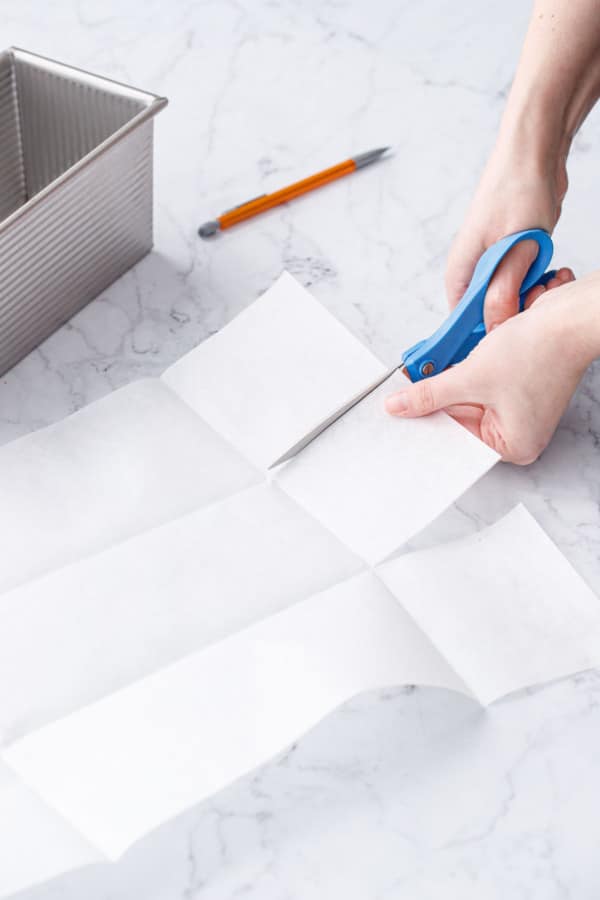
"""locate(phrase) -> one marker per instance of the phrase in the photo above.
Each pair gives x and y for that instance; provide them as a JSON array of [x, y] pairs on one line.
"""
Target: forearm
[[525, 180], [557, 80]]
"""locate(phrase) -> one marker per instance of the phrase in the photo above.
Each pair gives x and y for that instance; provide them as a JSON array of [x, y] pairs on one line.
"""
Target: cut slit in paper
[[129, 505], [274, 373], [161, 448], [432, 617]]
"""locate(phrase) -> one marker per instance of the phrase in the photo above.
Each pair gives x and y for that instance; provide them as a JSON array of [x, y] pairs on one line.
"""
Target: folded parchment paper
[[486, 615]]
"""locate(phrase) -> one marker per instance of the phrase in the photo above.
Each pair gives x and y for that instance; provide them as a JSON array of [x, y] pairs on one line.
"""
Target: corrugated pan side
[[74, 242], [12, 176]]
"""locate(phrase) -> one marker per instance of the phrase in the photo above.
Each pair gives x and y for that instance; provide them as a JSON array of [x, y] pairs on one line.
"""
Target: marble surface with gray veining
[[400, 794]]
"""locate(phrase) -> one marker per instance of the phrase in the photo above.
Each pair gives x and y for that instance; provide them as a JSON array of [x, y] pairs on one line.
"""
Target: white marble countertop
[[407, 793]]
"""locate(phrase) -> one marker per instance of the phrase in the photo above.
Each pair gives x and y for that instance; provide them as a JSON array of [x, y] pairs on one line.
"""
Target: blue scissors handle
[[464, 327]]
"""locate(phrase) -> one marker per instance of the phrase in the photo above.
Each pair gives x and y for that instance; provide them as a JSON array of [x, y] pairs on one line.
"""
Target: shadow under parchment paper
[[410, 769], [405, 743]]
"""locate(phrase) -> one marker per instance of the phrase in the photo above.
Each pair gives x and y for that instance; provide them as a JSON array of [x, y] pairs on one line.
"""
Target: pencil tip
[[363, 159]]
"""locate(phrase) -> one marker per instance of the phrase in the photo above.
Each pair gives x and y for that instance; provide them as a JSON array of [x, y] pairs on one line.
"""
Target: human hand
[[556, 84], [513, 388], [514, 194]]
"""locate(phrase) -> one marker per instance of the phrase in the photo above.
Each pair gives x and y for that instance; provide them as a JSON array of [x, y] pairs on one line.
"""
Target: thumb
[[502, 297], [450, 388]]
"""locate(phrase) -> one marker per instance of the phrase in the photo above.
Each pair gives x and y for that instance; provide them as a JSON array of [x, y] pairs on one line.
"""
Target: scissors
[[462, 330]]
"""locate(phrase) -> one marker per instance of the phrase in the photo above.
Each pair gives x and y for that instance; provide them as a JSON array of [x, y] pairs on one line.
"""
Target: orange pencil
[[268, 201]]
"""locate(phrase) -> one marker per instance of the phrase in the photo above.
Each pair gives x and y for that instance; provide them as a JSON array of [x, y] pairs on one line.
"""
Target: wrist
[[536, 132], [557, 80], [531, 150]]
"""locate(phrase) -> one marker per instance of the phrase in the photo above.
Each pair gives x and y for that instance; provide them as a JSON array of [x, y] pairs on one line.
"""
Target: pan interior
[[50, 119]]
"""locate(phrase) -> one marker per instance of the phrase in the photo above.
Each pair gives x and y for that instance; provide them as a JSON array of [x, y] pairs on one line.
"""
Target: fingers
[[451, 388], [502, 297], [563, 276], [534, 294]]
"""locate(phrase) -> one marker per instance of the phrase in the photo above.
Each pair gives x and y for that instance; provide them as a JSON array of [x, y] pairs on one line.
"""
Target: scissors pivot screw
[[427, 368]]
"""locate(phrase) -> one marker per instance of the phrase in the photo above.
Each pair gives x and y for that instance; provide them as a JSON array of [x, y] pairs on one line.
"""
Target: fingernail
[[396, 404]]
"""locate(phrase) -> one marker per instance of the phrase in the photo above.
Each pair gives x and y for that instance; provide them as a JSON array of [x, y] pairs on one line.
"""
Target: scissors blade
[[322, 426]]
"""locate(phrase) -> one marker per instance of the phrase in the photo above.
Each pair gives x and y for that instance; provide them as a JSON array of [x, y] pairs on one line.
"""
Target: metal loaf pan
[[75, 192]]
